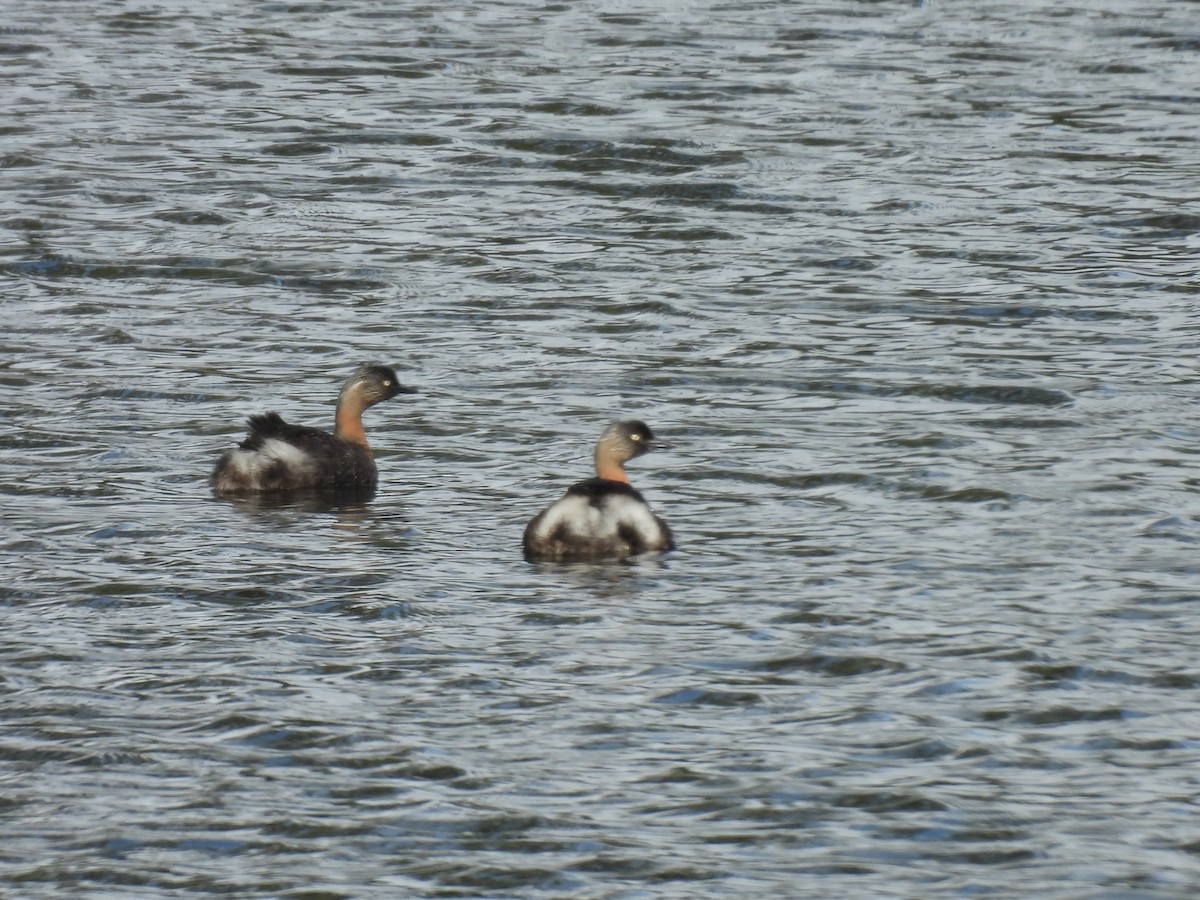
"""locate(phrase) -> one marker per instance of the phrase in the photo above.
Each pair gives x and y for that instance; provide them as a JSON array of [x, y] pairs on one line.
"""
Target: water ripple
[[908, 287]]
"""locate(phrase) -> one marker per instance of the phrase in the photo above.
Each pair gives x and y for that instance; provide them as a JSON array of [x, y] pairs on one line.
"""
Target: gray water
[[911, 286]]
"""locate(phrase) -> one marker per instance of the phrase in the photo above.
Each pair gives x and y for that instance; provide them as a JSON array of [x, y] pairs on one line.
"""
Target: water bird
[[277, 456], [602, 518]]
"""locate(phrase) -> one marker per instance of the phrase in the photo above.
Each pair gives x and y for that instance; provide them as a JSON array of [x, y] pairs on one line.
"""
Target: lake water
[[911, 286]]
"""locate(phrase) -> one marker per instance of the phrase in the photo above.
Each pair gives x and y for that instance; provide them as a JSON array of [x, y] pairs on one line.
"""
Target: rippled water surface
[[911, 286]]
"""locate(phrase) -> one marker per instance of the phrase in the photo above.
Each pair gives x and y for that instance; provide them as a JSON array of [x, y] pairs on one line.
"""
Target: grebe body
[[602, 518], [277, 456]]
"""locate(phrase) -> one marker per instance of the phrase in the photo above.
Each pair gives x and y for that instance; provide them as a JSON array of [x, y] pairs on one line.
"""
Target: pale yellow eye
[[635, 437], [386, 383]]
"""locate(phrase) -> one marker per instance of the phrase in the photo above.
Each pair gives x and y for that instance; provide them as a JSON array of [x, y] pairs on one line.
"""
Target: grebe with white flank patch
[[278, 457], [602, 518]]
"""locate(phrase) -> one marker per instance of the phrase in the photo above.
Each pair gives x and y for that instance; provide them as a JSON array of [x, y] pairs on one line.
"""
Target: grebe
[[277, 456], [603, 517]]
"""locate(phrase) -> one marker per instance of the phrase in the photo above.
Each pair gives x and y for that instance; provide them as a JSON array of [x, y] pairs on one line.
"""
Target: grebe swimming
[[277, 456], [603, 517]]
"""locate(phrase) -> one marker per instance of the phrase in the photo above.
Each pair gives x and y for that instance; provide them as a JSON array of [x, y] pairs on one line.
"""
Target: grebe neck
[[348, 419], [610, 469]]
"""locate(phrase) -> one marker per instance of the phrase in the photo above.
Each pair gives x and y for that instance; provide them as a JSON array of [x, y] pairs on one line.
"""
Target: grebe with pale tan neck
[[277, 456], [602, 518]]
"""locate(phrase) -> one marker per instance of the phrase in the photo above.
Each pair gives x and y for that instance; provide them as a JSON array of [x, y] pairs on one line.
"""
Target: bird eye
[[635, 437], [386, 383]]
